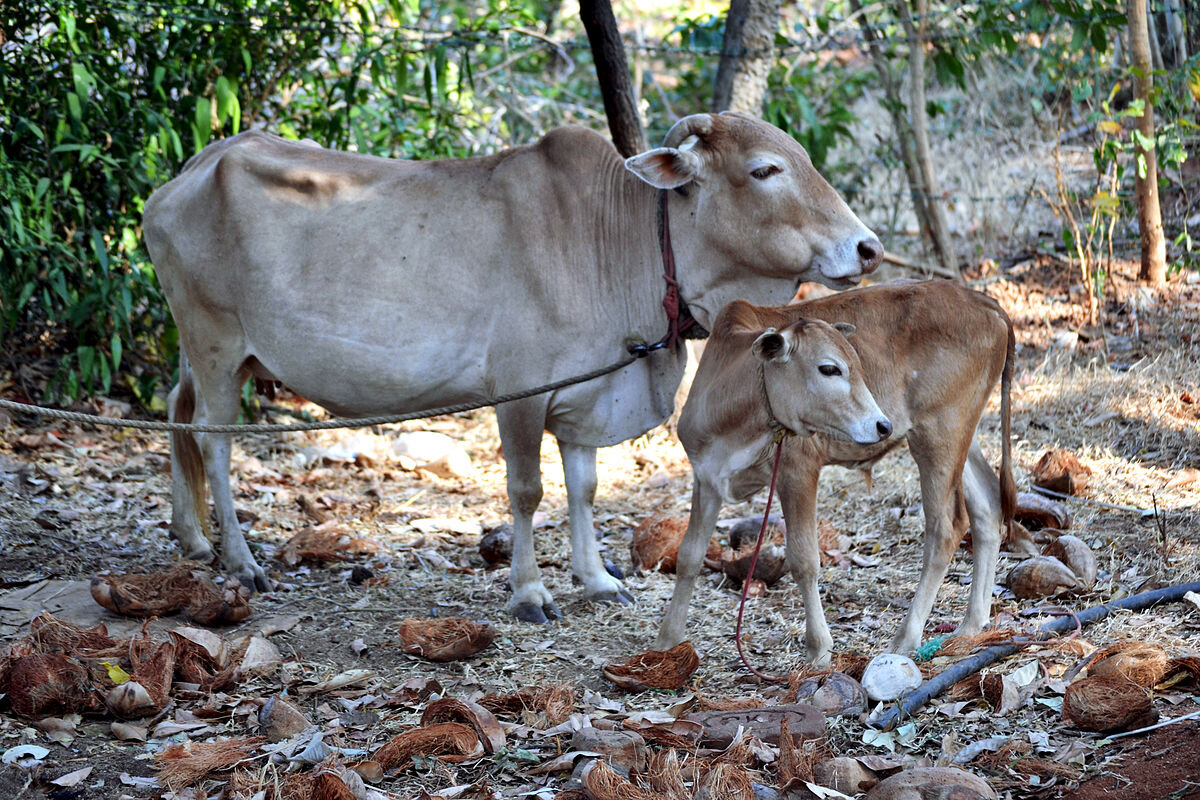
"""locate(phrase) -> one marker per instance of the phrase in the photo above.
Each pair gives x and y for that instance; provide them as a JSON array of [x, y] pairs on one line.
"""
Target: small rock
[[1041, 576], [890, 675], [927, 783], [278, 719]]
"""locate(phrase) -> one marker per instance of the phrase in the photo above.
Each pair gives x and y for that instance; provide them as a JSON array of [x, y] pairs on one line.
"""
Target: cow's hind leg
[[981, 487], [940, 463], [798, 497], [189, 487], [521, 424], [579, 471], [706, 505]]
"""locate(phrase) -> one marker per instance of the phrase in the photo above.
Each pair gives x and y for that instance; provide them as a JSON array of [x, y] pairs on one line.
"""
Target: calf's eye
[[762, 173], [830, 370]]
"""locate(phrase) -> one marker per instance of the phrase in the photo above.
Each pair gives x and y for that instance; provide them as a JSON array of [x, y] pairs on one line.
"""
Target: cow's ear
[[665, 167], [846, 328], [773, 345]]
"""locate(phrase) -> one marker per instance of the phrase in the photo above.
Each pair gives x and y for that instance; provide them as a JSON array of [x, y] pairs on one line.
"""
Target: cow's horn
[[694, 125]]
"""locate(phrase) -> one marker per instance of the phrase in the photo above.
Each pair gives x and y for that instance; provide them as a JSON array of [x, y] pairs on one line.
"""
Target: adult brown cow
[[376, 286], [931, 353]]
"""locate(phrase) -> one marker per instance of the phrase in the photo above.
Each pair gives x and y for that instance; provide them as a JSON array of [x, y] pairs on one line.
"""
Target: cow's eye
[[830, 370], [762, 173]]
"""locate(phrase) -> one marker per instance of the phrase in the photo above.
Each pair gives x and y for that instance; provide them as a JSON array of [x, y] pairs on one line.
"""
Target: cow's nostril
[[884, 428], [870, 251]]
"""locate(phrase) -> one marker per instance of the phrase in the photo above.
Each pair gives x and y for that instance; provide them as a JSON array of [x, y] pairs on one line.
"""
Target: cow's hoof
[[254, 578], [620, 596], [530, 612], [614, 570]]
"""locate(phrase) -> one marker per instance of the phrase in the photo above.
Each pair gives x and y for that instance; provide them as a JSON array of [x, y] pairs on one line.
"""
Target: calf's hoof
[[252, 577], [531, 612], [620, 596]]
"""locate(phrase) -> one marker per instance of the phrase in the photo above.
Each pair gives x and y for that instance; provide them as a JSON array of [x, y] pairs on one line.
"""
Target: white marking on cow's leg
[[798, 498], [185, 525], [706, 504], [940, 475], [579, 472], [521, 425], [981, 489]]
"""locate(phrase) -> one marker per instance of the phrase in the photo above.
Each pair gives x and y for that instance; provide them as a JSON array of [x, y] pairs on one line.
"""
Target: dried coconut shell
[[1141, 662], [769, 568], [832, 693], [1108, 703], [211, 606], [48, 684], [444, 638], [556, 702], [844, 774], [655, 669], [496, 545], [1060, 471], [449, 741], [1036, 511], [486, 726], [744, 532], [922, 782], [1041, 576], [148, 689], [1079, 558]]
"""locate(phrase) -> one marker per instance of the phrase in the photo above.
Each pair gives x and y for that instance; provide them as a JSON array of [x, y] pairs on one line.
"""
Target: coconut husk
[[554, 702], [728, 782], [679, 733], [159, 594], [448, 709], [655, 543], [1073, 646], [795, 763], [602, 782], [1185, 664], [194, 663], [1141, 662], [52, 635], [1108, 703], [1060, 471], [666, 776], [852, 664], [444, 638], [448, 741], [328, 786], [965, 645], [325, 542], [655, 669], [1014, 756], [706, 703], [148, 689], [48, 685], [182, 765]]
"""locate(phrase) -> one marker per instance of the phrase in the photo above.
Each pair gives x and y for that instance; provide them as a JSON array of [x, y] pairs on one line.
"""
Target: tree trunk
[[939, 229], [747, 55], [612, 72], [1154, 256]]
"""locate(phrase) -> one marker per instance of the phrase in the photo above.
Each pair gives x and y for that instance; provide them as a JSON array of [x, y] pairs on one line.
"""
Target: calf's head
[[750, 216], [813, 382]]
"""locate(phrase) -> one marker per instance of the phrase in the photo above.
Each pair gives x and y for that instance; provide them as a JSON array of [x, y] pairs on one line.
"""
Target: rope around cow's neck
[[762, 532]]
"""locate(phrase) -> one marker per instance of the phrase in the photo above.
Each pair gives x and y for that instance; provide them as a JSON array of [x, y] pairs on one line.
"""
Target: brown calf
[[931, 353]]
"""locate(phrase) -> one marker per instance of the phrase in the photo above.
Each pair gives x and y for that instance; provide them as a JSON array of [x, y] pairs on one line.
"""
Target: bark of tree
[[612, 72], [1154, 256], [939, 229], [747, 54]]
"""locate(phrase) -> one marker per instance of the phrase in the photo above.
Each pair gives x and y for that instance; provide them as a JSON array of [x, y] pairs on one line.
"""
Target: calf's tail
[[187, 449], [1008, 489]]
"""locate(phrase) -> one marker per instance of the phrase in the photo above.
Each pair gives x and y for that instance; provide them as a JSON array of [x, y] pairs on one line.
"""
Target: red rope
[[762, 532]]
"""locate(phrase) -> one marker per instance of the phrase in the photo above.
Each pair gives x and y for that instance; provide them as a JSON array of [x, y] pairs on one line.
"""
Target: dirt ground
[[1123, 396]]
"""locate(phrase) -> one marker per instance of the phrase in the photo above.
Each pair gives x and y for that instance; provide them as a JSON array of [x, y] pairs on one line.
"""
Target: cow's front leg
[[706, 504], [579, 471], [521, 425], [798, 498], [235, 553]]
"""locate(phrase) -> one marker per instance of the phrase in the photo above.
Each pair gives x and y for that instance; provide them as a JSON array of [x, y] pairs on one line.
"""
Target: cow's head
[[813, 382], [751, 218]]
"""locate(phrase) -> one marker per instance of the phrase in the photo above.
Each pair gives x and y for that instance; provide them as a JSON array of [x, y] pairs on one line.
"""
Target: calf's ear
[[665, 167], [846, 328], [773, 345]]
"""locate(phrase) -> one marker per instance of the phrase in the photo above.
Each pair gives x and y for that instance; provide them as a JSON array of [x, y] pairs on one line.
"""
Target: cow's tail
[[187, 449], [1008, 488]]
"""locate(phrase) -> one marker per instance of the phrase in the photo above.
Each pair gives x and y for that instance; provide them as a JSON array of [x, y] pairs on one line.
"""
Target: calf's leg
[[579, 471], [706, 504], [798, 497], [521, 423], [940, 463], [981, 489]]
